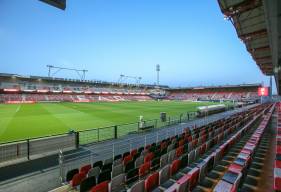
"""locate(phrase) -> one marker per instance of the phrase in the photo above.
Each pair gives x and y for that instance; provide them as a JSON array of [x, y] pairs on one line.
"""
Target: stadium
[[65, 132]]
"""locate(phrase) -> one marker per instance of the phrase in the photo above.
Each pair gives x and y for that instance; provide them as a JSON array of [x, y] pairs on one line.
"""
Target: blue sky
[[189, 39]]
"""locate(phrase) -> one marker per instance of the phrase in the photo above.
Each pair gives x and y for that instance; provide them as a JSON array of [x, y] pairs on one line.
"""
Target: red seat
[[203, 149], [175, 166], [151, 182], [194, 176], [179, 151], [85, 169], [277, 164], [134, 152], [181, 142], [127, 159], [148, 157], [102, 187], [144, 169], [77, 179]]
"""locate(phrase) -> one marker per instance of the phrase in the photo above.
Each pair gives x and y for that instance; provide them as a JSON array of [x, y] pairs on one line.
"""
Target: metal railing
[[25, 149], [35, 147], [117, 131]]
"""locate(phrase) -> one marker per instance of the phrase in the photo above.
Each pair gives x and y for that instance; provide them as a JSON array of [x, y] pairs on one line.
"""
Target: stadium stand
[[21, 89], [277, 165], [178, 163], [242, 93]]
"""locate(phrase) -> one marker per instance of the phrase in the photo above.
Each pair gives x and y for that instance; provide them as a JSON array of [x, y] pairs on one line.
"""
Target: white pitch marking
[[18, 108]]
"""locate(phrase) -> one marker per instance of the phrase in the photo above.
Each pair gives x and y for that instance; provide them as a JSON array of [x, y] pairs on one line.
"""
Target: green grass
[[22, 121]]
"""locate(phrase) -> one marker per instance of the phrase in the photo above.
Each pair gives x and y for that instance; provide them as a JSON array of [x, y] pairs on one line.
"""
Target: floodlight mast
[[78, 71], [157, 71]]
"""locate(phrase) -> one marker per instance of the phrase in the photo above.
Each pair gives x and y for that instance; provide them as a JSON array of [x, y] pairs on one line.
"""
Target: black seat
[[140, 149], [132, 175], [184, 160], [125, 154], [70, 174], [107, 167], [155, 164], [87, 184], [117, 157], [104, 176], [129, 166], [98, 164]]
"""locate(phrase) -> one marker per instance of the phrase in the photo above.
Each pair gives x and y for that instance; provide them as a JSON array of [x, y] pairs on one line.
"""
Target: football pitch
[[23, 121]]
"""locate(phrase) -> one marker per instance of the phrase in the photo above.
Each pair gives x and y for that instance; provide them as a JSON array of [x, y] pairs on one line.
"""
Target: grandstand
[[204, 158], [241, 93], [21, 89]]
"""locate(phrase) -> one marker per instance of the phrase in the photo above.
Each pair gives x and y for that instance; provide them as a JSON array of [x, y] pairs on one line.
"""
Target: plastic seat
[[102, 187], [132, 176], [98, 163], [77, 179], [70, 174], [175, 166], [152, 182], [117, 183], [139, 161], [127, 159], [164, 174], [87, 184], [155, 164], [148, 157], [117, 170], [137, 187], [104, 176], [130, 165], [85, 169], [95, 171], [144, 169]]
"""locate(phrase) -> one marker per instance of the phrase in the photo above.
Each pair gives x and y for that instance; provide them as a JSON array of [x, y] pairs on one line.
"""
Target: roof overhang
[[258, 25]]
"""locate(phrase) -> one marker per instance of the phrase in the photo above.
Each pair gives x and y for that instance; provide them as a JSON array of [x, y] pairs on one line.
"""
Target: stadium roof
[[258, 25], [220, 86], [67, 80]]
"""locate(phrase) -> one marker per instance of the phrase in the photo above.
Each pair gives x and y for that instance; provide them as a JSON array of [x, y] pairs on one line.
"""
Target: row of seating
[[189, 180], [231, 180], [277, 166], [170, 154]]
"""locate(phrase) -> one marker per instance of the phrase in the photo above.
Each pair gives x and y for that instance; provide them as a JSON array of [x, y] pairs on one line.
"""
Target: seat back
[[148, 157], [144, 169], [102, 187], [155, 164], [108, 161], [70, 174], [164, 174], [151, 182], [98, 163], [130, 165], [171, 156], [137, 187], [117, 183], [77, 178], [127, 159], [87, 184], [132, 175], [104, 176], [175, 166], [139, 161], [95, 171], [117, 170], [85, 169], [164, 160]]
